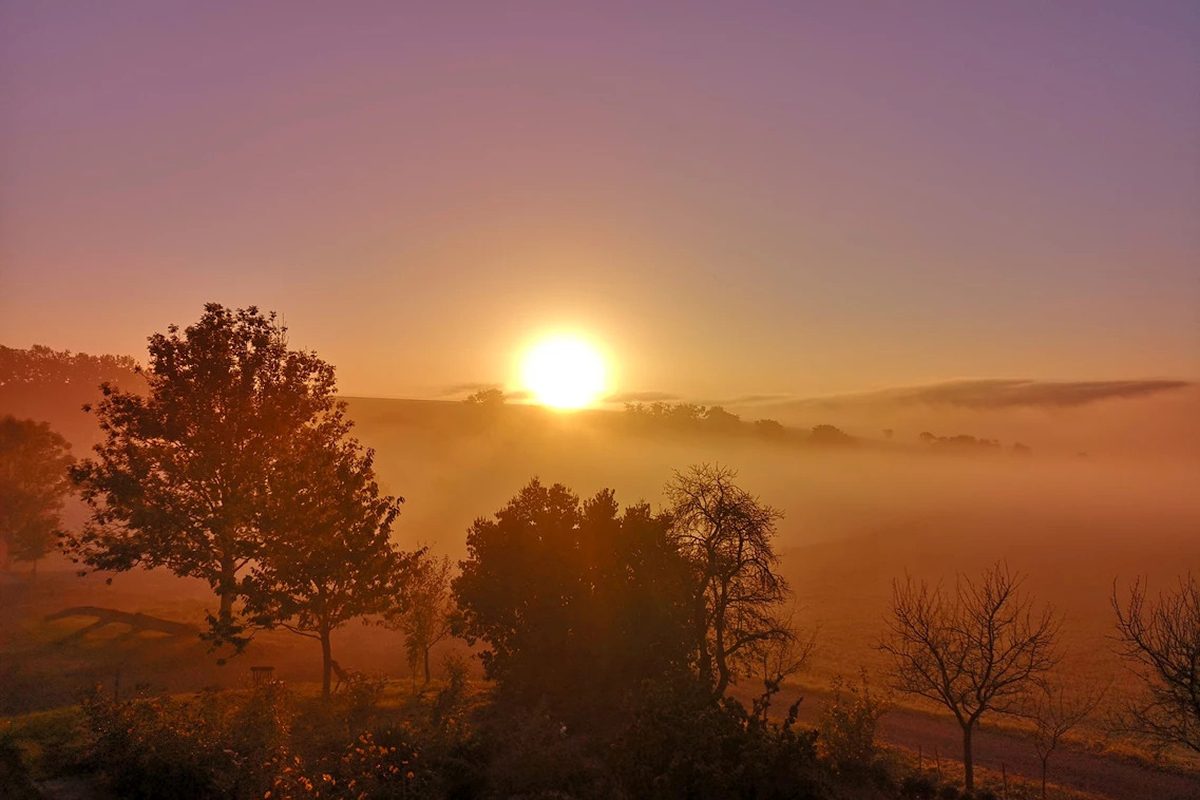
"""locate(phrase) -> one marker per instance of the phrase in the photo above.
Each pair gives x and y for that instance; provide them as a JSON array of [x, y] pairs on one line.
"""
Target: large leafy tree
[[328, 556], [33, 483], [577, 602], [181, 476]]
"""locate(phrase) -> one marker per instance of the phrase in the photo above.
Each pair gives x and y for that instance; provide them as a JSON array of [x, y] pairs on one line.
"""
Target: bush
[[367, 769], [848, 725], [680, 744], [918, 787], [15, 782], [213, 745]]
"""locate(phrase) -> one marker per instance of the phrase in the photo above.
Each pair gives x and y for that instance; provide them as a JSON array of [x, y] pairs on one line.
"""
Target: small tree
[[981, 649], [1055, 712], [33, 483], [329, 558], [1161, 642], [488, 398], [426, 616], [180, 478], [725, 534]]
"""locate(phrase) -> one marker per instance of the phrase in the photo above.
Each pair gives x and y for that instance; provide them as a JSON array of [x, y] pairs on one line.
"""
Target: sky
[[794, 198]]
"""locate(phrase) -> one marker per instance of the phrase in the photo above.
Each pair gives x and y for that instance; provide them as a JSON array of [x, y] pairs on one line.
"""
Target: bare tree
[[1055, 712], [1161, 641], [778, 659], [980, 649], [725, 534]]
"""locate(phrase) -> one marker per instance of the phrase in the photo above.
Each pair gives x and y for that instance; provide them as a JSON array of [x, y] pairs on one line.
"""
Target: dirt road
[[1097, 774]]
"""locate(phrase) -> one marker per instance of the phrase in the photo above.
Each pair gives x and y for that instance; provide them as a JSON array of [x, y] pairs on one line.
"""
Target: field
[[855, 519]]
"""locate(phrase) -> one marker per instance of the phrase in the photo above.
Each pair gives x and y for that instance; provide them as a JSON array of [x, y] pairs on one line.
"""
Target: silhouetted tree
[[426, 615], [1161, 642], [769, 428], [576, 602], [33, 483], [829, 435], [327, 558], [54, 385], [1055, 711], [982, 649], [725, 534], [487, 397], [180, 477], [717, 418]]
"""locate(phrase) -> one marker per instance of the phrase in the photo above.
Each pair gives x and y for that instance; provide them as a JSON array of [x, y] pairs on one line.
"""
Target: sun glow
[[564, 372]]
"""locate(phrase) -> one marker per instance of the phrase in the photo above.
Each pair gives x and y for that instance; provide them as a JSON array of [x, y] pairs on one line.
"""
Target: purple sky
[[785, 197]]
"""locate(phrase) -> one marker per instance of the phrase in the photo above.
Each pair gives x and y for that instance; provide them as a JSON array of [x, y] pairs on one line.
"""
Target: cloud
[[641, 397], [751, 400], [1005, 393], [467, 388]]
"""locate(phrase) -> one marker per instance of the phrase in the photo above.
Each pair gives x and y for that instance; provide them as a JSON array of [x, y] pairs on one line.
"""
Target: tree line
[[235, 464]]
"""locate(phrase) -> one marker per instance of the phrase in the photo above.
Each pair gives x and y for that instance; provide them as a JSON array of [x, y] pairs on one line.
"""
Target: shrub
[[15, 782], [848, 725], [368, 768], [918, 787], [212, 745], [680, 744]]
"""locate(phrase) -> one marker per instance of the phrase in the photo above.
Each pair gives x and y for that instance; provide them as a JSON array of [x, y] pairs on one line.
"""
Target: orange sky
[[770, 201]]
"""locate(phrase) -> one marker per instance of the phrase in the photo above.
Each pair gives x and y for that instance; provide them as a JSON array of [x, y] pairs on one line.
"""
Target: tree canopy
[[575, 601], [33, 484], [327, 555], [183, 472]]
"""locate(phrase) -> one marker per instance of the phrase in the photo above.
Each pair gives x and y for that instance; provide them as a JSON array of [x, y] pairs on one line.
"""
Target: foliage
[[849, 722], [183, 473], [982, 649], [210, 746], [327, 556], [829, 435], [725, 535], [15, 780], [1161, 642], [426, 615], [367, 769], [680, 743], [42, 366], [576, 602], [33, 483], [487, 398]]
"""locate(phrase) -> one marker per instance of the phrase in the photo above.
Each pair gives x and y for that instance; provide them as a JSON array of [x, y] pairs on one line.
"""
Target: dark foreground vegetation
[[628, 651]]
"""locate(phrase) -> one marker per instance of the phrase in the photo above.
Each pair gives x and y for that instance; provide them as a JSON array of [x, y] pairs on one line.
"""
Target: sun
[[564, 372]]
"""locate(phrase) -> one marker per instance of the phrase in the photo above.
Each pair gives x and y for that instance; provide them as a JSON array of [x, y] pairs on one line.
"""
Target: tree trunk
[[227, 590], [427, 675], [968, 758], [326, 663]]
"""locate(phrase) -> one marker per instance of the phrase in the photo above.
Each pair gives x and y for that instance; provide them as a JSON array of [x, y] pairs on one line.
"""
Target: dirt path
[[1103, 776]]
